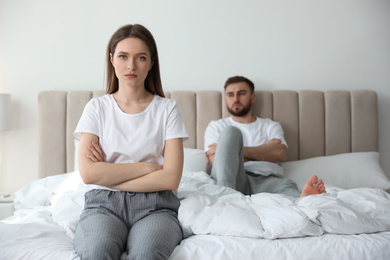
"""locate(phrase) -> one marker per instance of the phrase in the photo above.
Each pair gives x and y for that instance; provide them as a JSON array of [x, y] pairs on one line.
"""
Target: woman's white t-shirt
[[130, 138]]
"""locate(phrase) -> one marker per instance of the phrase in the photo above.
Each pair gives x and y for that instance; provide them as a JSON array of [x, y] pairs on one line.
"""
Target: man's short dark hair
[[237, 79]]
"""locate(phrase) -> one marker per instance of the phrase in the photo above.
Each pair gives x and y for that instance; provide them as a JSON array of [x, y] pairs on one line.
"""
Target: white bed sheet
[[47, 212], [44, 242], [357, 247]]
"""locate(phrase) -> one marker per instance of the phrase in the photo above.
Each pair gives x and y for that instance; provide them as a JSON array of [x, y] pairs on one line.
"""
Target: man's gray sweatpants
[[228, 169], [143, 224]]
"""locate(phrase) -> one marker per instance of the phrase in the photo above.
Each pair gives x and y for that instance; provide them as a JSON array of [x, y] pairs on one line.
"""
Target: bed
[[333, 134]]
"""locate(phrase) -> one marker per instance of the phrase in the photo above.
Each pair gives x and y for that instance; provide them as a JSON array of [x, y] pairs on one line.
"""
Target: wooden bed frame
[[315, 123]]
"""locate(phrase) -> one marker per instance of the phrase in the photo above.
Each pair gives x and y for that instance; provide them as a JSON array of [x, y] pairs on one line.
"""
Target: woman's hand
[[167, 177], [95, 152]]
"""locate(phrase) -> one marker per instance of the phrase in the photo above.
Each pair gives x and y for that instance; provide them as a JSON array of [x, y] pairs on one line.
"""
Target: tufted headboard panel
[[315, 123]]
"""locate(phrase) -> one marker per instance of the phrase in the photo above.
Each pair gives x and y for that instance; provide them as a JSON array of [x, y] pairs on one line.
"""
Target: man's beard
[[243, 112]]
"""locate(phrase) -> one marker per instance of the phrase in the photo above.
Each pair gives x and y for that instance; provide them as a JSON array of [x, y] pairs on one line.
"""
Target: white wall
[[279, 44]]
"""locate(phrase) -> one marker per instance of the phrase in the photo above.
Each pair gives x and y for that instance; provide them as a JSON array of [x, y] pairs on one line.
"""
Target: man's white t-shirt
[[256, 133], [130, 138]]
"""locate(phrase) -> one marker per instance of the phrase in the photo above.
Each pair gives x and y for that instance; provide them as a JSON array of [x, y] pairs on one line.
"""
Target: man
[[245, 151]]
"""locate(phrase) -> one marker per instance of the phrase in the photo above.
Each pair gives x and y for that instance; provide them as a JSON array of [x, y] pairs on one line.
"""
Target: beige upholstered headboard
[[315, 123]]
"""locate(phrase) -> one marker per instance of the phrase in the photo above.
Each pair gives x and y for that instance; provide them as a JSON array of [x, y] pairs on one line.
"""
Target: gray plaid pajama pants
[[118, 224]]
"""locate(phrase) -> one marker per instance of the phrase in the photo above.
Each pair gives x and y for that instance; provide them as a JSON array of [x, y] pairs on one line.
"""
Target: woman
[[130, 157]]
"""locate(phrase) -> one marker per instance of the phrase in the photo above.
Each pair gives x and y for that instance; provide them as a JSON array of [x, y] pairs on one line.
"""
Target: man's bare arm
[[274, 151], [211, 152]]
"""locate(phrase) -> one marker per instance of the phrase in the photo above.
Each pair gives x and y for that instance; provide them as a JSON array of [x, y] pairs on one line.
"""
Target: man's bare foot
[[313, 186]]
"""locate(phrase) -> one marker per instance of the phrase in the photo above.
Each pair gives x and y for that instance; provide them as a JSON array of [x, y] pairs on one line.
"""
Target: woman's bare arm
[[168, 178], [107, 174]]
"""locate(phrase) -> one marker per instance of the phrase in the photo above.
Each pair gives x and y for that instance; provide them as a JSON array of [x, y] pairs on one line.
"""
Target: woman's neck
[[132, 100], [131, 95]]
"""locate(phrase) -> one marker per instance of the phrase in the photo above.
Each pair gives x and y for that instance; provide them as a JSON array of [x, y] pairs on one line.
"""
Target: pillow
[[195, 160], [76, 150], [347, 171]]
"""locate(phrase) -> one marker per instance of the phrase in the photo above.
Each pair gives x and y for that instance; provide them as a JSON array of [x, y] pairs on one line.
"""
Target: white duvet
[[228, 224], [208, 209]]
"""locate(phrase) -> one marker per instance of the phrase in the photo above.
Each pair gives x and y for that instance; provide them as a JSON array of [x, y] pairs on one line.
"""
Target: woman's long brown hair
[[153, 80]]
